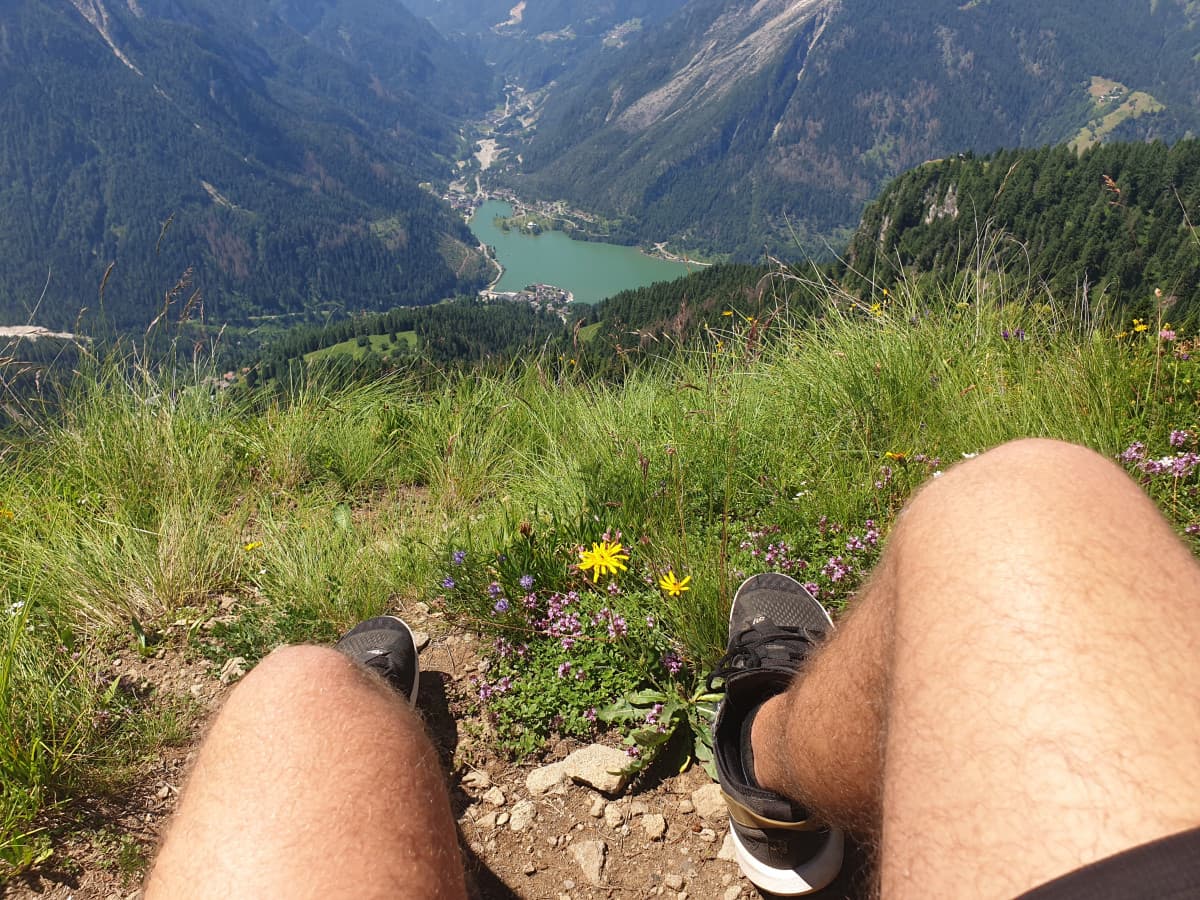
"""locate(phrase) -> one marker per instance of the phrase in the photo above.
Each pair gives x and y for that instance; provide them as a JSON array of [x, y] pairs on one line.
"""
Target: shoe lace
[[756, 647]]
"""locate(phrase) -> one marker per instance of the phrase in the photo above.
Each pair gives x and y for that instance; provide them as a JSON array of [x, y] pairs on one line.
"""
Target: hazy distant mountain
[[740, 123], [281, 140], [534, 41]]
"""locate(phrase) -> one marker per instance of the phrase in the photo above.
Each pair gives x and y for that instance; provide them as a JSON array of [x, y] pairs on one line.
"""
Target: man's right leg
[[1016, 693]]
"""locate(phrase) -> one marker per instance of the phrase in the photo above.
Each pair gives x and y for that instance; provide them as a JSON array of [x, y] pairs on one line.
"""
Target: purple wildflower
[[563, 669], [655, 712], [1194, 528], [459, 557], [836, 569], [590, 714], [501, 605], [526, 582], [671, 662], [813, 588], [494, 590], [1166, 334], [1134, 453], [448, 583], [1180, 438]]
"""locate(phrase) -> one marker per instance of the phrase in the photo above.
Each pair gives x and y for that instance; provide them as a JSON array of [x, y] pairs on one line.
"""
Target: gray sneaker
[[773, 626], [385, 644]]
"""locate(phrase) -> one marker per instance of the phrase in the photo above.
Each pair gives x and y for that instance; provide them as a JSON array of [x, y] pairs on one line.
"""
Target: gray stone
[[710, 803], [502, 819], [523, 814], [477, 780], [421, 639], [655, 826], [733, 893], [530, 868], [487, 820], [590, 856], [685, 807], [727, 849], [674, 881], [638, 808], [233, 669], [494, 796], [708, 836], [541, 780], [597, 809], [599, 767]]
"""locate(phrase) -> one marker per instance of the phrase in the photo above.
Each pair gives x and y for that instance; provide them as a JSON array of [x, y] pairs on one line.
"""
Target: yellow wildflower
[[876, 309], [252, 546], [605, 558], [1139, 326], [728, 312], [6, 513], [897, 455], [673, 585]]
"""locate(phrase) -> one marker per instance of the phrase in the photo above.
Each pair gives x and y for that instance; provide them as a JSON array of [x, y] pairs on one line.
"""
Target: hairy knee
[[299, 674]]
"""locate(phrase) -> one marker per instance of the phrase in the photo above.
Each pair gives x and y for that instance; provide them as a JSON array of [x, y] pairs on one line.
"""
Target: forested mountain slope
[[268, 149], [1112, 226], [534, 41], [739, 123]]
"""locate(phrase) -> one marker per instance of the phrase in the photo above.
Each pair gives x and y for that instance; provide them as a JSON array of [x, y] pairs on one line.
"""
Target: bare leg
[[316, 780], [1016, 694]]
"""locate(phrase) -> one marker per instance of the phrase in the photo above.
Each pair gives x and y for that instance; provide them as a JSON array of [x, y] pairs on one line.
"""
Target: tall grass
[[153, 501]]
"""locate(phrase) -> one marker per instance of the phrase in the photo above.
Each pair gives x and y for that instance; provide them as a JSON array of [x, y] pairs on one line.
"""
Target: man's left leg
[[317, 780]]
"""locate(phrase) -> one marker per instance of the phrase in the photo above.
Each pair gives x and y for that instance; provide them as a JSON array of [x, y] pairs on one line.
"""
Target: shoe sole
[[361, 642], [813, 875]]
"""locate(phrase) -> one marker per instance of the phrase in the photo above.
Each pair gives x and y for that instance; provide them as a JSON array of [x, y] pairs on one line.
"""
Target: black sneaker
[[386, 645], [773, 626]]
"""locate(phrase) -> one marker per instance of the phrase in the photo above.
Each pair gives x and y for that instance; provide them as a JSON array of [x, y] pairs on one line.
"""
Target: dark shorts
[[1166, 868]]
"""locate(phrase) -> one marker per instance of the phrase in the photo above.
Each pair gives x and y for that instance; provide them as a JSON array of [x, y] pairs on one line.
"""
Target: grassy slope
[[149, 504]]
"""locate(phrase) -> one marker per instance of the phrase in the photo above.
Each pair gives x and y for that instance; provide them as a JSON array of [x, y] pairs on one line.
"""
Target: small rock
[[502, 819], [599, 767], [685, 807], [541, 780], [597, 809], [726, 879], [233, 669], [494, 796], [707, 835], [568, 885], [552, 840], [477, 780], [487, 820], [655, 826], [727, 850], [590, 856], [161, 654], [638, 808], [163, 792], [530, 868], [523, 814], [613, 817], [421, 639], [674, 881], [196, 690], [422, 607], [710, 802], [733, 893]]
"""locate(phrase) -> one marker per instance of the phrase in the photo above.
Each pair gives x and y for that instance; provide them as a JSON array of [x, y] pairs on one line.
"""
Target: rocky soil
[[559, 828]]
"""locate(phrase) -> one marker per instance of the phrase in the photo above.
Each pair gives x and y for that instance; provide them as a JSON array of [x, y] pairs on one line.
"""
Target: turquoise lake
[[589, 270]]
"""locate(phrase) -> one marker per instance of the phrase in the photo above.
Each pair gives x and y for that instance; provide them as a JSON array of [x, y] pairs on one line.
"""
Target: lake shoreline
[[589, 269]]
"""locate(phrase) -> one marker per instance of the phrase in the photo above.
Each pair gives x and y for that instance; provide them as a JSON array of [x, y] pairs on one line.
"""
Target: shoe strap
[[757, 647], [747, 818]]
